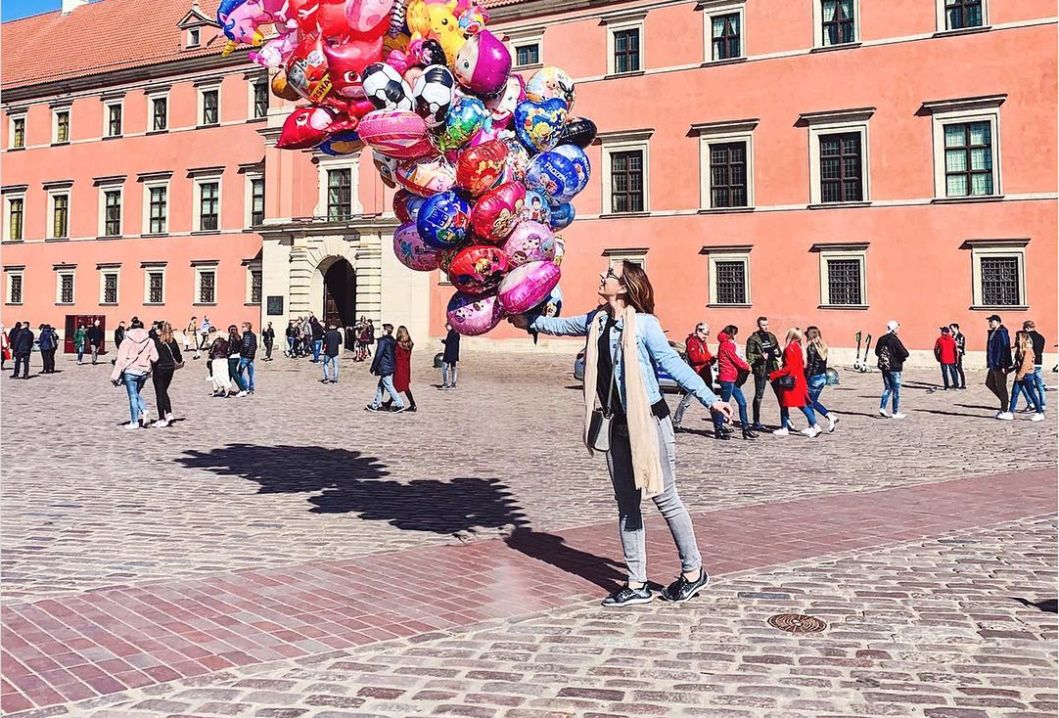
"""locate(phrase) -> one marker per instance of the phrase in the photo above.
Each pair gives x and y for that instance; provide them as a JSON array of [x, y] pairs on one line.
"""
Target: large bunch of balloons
[[486, 162]]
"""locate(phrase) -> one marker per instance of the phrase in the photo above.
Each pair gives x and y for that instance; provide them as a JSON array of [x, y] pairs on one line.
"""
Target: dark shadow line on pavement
[[551, 549], [1048, 605], [953, 413]]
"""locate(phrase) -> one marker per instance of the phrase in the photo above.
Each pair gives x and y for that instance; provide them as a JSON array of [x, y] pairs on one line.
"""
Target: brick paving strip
[[71, 648]]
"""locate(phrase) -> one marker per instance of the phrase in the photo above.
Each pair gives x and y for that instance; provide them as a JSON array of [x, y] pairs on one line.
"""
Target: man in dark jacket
[[268, 336], [450, 358], [1038, 363], [95, 340], [998, 362], [332, 344], [763, 355], [318, 337], [119, 335], [891, 354], [383, 366], [21, 346], [48, 343], [247, 352]]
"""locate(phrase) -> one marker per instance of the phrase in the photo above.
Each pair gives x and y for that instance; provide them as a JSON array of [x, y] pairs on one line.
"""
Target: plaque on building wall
[[275, 306]]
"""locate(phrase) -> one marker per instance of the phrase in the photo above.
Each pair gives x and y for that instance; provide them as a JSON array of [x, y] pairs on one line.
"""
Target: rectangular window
[[60, 216], [113, 120], [968, 159], [157, 209], [16, 210], [112, 216], [961, 14], [627, 50], [527, 55], [18, 133], [110, 288], [731, 282], [209, 205], [837, 22], [844, 282], [66, 289], [339, 194], [1000, 281], [255, 286], [626, 181], [14, 289], [260, 99], [62, 127], [728, 176], [207, 287], [209, 107], [159, 113], [726, 36], [193, 37], [257, 201], [155, 287], [840, 168]]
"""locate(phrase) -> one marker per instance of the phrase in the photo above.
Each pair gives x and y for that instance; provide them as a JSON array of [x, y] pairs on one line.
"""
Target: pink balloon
[[530, 242], [527, 286], [346, 62], [412, 251], [473, 315], [497, 211], [368, 18], [395, 133]]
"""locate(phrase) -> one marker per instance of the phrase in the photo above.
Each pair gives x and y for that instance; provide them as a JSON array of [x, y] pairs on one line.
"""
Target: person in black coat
[[95, 340], [169, 360], [383, 366], [332, 344], [247, 352], [891, 354], [21, 346], [268, 336], [452, 355], [318, 337], [119, 335]]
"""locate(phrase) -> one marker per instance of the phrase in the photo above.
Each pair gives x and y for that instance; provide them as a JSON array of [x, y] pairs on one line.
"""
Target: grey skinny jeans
[[630, 518]]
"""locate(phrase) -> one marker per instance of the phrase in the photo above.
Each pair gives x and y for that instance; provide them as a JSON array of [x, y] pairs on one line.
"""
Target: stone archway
[[339, 293]]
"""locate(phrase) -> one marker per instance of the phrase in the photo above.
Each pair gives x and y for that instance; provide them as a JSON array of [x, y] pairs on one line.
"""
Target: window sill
[[60, 144], [16, 149], [624, 215], [111, 137], [13, 241], [718, 305], [838, 205], [204, 304], [615, 75], [854, 307], [251, 304], [968, 200], [12, 304], [111, 236], [527, 68], [835, 48], [257, 119], [999, 308], [64, 304], [152, 235], [726, 61], [963, 31], [203, 232], [156, 132], [108, 304], [154, 304], [726, 210], [57, 239], [206, 125]]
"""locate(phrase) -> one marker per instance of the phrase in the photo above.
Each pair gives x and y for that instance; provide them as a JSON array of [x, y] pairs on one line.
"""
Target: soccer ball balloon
[[385, 88], [433, 94]]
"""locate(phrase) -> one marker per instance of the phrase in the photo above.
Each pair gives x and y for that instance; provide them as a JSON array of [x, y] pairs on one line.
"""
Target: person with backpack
[[48, 343], [169, 360], [384, 366], [135, 357], [891, 354], [332, 345], [698, 356], [946, 352], [998, 362], [763, 355], [732, 372], [961, 349]]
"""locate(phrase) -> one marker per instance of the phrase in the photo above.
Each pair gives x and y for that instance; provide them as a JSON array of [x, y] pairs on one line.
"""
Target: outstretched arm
[[668, 359], [559, 326]]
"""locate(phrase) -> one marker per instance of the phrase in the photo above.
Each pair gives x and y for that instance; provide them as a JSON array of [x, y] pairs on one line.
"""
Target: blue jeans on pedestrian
[[333, 363], [891, 387], [785, 416], [247, 365], [133, 384], [1037, 379], [386, 382], [728, 390], [80, 353], [816, 388], [317, 346], [1026, 386], [948, 371], [290, 346]]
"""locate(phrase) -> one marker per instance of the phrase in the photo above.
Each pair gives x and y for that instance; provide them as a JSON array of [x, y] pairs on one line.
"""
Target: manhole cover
[[797, 623]]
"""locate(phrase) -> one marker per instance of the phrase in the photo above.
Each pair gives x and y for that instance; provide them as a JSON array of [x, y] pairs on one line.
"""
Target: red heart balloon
[[497, 211], [479, 168]]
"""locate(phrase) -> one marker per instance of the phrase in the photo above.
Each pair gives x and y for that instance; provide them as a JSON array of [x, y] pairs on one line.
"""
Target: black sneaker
[[371, 408], [399, 410], [626, 596], [682, 589]]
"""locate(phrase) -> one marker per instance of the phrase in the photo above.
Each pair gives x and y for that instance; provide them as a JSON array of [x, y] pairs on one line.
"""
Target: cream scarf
[[643, 434]]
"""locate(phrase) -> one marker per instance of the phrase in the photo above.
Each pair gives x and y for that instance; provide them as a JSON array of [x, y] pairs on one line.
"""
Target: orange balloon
[[282, 90]]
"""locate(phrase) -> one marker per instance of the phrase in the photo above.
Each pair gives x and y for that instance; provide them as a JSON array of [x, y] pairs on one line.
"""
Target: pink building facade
[[828, 162]]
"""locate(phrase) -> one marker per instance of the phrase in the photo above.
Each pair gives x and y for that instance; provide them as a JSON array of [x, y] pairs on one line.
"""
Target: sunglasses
[[609, 274]]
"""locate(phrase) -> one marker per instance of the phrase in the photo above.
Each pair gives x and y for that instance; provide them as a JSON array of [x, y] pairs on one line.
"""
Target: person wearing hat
[[998, 361], [945, 352], [891, 354]]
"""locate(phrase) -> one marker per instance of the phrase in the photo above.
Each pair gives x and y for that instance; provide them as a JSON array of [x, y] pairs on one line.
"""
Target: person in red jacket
[[792, 389], [700, 359], [729, 368], [946, 353]]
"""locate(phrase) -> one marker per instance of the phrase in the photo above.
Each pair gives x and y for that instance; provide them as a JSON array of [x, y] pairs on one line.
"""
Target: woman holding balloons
[[632, 425]]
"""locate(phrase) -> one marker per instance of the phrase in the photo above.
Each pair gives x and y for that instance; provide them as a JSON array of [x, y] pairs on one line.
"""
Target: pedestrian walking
[[998, 362], [268, 336], [961, 350], [332, 345], [624, 343], [891, 355], [358, 338], [48, 341], [191, 338], [792, 389], [291, 333], [450, 359], [402, 375], [1024, 362], [235, 348], [119, 334], [5, 347], [169, 360], [732, 373], [21, 346], [816, 373], [135, 356], [80, 341], [95, 340], [1037, 339], [318, 337], [763, 355], [698, 356], [247, 353], [946, 352], [205, 329], [384, 366], [218, 361]]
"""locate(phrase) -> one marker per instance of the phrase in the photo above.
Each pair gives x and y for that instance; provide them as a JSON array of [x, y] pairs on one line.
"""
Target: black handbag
[[786, 382], [741, 375]]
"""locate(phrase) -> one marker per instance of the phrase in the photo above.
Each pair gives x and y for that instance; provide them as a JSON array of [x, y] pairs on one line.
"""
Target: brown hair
[[1023, 341], [816, 339], [639, 294], [166, 334], [404, 338], [1029, 325]]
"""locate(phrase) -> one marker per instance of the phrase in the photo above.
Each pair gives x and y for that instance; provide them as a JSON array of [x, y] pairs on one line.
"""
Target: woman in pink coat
[[792, 389], [135, 356]]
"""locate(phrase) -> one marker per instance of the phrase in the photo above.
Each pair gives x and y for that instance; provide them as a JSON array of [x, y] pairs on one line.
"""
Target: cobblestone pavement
[[957, 626], [299, 472]]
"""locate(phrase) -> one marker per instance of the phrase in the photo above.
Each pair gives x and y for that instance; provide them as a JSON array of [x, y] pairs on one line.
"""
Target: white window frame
[[55, 112], [837, 122], [818, 26], [147, 186], [60, 272], [712, 10], [104, 271], [118, 187], [960, 111], [625, 142], [188, 44], [983, 249], [50, 228], [525, 38], [248, 195], [196, 203], [151, 97], [251, 82], [200, 268], [107, 105], [201, 104], [617, 25], [636, 255], [8, 197], [827, 254], [19, 272], [339, 163], [251, 267], [717, 133], [743, 256], [943, 19], [148, 270], [11, 130]]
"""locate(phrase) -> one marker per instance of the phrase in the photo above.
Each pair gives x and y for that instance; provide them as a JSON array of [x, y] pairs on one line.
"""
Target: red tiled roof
[[101, 36]]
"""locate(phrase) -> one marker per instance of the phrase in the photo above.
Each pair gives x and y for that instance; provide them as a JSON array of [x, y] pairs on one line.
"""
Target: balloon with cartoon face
[[483, 64], [471, 316], [497, 211], [554, 176], [478, 269], [538, 124], [579, 160], [502, 107], [406, 206], [529, 242], [465, 118], [307, 70], [548, 83], [479, 168], [346, 63], [426, 176], [527, 285], [536, 208], [443, 220], [412, 251], [309, 126]]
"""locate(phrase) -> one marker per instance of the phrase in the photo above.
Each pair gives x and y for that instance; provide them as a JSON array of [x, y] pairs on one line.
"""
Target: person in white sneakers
[[891, 354], [1025, 361], [792, 389], [998, 362]]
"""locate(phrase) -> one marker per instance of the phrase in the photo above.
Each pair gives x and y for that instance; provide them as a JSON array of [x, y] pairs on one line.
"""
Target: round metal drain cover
[[797, 623]]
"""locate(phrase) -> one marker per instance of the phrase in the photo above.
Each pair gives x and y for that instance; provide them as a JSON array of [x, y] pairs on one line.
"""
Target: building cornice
[[723, 127], [854, 114], [1002, 242], [959, 104], [726, 249], [109, 179], [839, 246]]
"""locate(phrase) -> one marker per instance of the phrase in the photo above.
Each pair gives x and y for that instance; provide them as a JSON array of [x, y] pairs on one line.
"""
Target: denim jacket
[[653, 347]]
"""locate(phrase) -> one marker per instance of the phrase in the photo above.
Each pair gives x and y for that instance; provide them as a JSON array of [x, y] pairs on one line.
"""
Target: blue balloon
[[443, 220], [580, 160], [554, 176], [562, 216], [539, 124]]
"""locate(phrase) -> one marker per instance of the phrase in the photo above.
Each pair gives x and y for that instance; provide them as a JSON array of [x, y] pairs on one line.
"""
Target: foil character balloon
[[282, 90], [497, 211], [473, 20], [395, 133], [579, 131], [537, 208], [309, 126], [368, 19], [518, 162], [479, 168], [550, 83], [466, 116], [527, 285], [538, 124], [426, 176], [406, 206], [502, 106], [307, 70], [478, 269], [529, 242], [341, 144], [239, 24], [412, 251], [483, 64], [437, 21], [346, 63], [429, 52], [471, 316], [554, 176], [387, 167], [579, 160], [443, 220], [562, 216]]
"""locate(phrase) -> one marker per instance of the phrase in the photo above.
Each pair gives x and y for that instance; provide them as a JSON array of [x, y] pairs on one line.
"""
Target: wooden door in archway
[[340, 294]]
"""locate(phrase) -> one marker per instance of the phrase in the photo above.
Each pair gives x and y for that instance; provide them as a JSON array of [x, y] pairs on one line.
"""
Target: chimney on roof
[[70, 5]]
